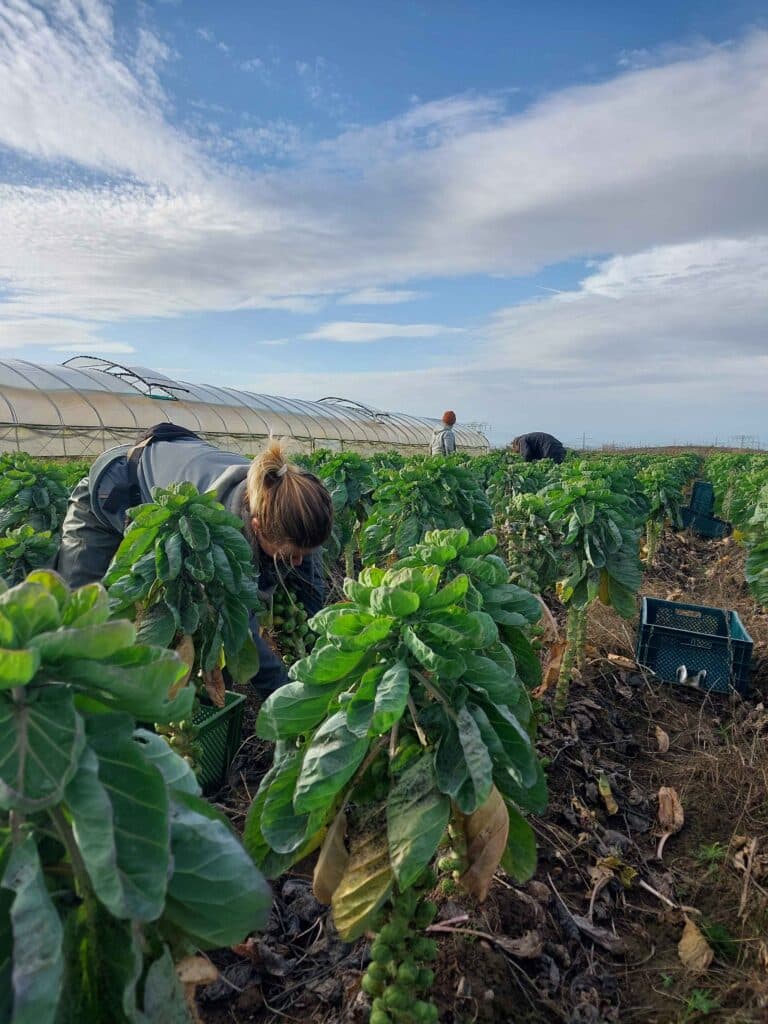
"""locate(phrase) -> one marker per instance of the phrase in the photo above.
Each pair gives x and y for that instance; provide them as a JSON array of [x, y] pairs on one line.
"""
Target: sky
[[545, 216]]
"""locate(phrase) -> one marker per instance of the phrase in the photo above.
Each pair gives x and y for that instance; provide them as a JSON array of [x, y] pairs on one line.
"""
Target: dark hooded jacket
[[537, 446]]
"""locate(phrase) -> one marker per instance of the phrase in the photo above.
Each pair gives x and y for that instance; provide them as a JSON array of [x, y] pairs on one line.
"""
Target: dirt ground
[[595, 937]]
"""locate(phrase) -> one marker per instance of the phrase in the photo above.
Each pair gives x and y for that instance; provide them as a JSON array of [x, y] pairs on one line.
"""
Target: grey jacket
[[91, 534], [443, 441]]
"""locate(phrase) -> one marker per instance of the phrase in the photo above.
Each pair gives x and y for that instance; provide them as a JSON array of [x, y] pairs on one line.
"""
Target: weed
[[700, 1001], [720, 939], [709, 855]]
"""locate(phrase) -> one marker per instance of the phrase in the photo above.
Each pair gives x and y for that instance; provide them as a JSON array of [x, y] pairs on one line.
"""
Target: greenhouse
[[78, 409]]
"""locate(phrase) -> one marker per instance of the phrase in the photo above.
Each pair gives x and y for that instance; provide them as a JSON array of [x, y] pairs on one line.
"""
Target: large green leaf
[[391, 696], [38, 964], [519, 859], [98, 641], [448, 666], [326, 664], [140, 681], [158, 625], [195, 532], [284, 828], [360, 708], [177, 773], [417, 816], [515, 741], [450, 764], [18, 667], [292, 710], [394, 601], [164, 999], [216, 895], [103, 964], [31, 609], [119, 806], [40, 745], [451, 593], [330, 761], [479, 765], [498, 682]]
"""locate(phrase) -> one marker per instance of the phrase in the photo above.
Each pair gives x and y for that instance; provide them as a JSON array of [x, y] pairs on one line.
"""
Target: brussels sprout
[[425, 978], [407, 974], [425, 949], [381, 953], [425, 914], [370, 986]]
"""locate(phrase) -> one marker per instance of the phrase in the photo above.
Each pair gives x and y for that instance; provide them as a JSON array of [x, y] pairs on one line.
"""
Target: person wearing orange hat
[[443, 437]]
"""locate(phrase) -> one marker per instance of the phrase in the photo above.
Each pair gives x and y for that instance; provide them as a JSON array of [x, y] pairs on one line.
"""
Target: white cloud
[[66, 96], [98, 348], [380, 297], [357, 331]]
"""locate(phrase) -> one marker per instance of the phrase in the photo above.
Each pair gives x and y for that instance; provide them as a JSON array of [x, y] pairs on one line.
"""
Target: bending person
[[287, 515], [537, 446]]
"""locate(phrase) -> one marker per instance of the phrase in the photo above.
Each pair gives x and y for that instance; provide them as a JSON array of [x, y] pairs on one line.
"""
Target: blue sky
[[545, 216]]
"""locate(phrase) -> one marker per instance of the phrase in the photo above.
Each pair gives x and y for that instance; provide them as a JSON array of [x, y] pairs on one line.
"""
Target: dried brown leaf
[[671, 813], [486, 833], [529, 946], [662, 740], [694, 950], [196, 970], [621, 662], [215, 687], [601, 936], [332, 860], [552, 671]]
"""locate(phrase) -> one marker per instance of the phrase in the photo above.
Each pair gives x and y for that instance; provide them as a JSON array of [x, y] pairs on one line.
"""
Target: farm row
[[404, 743]]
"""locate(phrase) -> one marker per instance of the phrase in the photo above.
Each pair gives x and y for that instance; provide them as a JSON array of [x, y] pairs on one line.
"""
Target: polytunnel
[[88, 404]]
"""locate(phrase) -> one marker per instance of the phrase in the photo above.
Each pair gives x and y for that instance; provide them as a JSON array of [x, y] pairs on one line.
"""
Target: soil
[[593, 938]]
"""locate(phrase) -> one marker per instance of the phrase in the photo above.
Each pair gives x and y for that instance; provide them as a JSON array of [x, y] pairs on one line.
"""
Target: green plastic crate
[[705, 526], [672, 634], [219, 735]]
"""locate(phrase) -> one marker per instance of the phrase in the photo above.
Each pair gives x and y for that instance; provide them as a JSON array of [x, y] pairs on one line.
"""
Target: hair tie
[[283, 469]]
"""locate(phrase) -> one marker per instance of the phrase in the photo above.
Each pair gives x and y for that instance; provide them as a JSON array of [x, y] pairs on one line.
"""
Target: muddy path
[[595, 936]]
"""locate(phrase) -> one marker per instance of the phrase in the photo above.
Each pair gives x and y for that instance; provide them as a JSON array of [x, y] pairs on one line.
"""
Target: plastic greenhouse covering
[[88, 404]]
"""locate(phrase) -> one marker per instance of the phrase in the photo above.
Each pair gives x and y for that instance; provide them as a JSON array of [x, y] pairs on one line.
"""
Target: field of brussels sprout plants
[[468, 803]]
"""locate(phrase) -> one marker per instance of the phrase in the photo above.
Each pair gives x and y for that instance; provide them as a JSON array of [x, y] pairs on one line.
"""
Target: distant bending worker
[[538, 446], [443, 438]]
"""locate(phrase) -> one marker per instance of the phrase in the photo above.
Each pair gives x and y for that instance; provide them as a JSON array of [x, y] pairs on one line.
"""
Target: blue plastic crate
[[703, 497], [705, 526], [702, 639]]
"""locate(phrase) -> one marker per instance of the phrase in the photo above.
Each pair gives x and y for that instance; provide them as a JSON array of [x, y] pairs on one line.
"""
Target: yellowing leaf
[[332, 860], [185, 649], [605, 792], [604, 589], [694, 950], [486, 832], [366, 882]]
